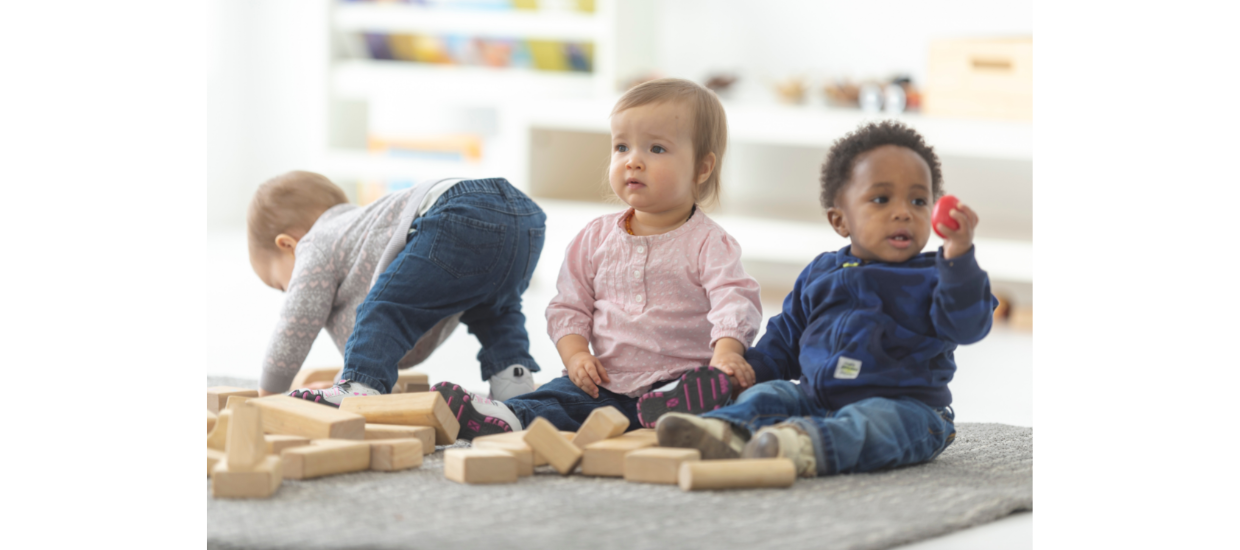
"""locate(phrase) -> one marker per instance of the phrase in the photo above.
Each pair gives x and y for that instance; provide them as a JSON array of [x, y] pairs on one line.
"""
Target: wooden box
[[980, 78]]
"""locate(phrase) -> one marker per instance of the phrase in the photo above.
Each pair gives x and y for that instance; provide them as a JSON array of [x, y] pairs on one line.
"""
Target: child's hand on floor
[[960, 240], [729, 357], [587, 372]]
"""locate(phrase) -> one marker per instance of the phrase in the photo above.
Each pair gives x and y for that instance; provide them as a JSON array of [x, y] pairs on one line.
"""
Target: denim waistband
[[494, 186]]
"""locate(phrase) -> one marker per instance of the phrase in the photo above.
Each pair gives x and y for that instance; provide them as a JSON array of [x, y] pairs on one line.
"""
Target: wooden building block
[[323, 457], [475, 466], [246, 448], [308, 375], [408, 409], [411, 381], [213, 458], [218, 438], [603, 423], [235, 401], [259, 482], [643, 432], [388, 455], [1021, 318], [292, 416], [276, 443], [547, 441], [606, 457], [657, 464], [425, 434], [518, 449], [211, 418], [217, 396], [737, 474]]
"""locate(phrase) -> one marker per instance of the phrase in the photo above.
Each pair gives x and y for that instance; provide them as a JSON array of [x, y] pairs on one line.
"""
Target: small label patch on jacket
[[847, 368]]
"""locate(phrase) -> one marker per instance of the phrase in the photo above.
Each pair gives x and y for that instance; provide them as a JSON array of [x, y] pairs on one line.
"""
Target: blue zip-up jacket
[[852, 329]]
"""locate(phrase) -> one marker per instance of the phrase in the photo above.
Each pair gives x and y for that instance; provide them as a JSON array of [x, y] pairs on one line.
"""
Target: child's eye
[[658, 149], [622, 148], [920, 202], [879, 199]]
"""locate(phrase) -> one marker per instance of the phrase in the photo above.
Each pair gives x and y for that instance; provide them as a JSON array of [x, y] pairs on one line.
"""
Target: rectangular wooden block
[[606, 457], [211, 418], [323, 457], [518, 449], [308, 375], [476, 466], [213, 458], [291, 416], [217, 396], [218, 438], [547, 441], [411, 381], [235, 401], [603, 423], [409, 409], [425, 434], [276, 443], [388, 455], [697, 475], [246, 447], [657, 464], [259, 482]]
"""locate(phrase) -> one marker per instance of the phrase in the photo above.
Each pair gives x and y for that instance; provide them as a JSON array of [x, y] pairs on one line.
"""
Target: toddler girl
[[657, 290]]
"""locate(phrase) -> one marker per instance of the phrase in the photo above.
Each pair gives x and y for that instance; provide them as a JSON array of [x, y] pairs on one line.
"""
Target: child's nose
[[635, 162]]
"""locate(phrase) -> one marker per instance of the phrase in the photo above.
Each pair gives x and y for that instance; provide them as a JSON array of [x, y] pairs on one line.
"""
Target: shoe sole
[[312, 397], [473, 423], [684, 434], [700, 390]]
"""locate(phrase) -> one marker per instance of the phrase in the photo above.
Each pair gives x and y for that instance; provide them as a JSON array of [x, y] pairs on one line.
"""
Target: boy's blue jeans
[[473, 253], [566, 406], [868, 435]]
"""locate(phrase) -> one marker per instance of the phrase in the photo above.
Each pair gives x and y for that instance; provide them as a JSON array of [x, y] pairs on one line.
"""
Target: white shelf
[[765, 239], [813, 126], [482, 23], [454, 84], [360, 164]]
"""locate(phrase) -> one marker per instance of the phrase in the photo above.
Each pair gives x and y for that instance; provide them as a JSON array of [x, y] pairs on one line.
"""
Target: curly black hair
[[838, 168]]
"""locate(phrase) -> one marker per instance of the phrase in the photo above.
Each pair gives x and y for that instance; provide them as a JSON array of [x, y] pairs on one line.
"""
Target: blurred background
[[377, 95]]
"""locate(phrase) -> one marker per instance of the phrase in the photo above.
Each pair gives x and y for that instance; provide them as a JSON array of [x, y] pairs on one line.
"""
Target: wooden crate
[[980, 78]]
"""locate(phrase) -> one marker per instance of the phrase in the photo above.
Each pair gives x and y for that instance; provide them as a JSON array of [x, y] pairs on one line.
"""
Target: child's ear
[[705, 169], [836, 217], [286, 242]]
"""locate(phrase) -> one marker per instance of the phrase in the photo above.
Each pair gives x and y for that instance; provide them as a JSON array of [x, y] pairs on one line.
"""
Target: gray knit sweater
[[337, 262]]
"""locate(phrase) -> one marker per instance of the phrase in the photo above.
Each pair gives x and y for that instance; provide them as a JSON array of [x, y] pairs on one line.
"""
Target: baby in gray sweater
[[327, 255]]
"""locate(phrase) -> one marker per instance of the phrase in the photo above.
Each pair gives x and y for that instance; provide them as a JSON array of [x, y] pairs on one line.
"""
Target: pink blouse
[[652, 307]]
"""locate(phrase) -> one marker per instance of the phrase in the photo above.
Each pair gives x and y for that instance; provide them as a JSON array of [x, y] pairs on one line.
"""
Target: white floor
[[994, 380]]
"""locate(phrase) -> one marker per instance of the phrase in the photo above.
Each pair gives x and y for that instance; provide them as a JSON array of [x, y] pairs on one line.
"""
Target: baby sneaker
[[700, 390], [784, 441], [333, 395], [715, 438], [511, 382], [478, 415]]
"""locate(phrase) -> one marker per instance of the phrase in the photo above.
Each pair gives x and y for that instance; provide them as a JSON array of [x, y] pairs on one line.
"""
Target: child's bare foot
[[336, 393], [715, 438]]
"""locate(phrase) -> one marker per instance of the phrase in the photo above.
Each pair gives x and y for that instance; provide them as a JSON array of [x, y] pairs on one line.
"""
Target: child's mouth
[[900, 240], [634, 184]]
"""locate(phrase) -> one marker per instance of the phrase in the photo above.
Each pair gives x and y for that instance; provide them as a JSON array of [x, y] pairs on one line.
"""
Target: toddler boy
[[869, 330]]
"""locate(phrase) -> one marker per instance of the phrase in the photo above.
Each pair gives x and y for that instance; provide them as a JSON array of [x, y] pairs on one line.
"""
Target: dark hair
[[837, 170]]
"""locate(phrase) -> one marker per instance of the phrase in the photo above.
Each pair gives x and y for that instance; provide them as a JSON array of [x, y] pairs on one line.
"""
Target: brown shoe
[[715, 438]]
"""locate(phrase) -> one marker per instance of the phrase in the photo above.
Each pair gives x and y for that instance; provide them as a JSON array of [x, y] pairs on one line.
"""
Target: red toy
[[942, 214]]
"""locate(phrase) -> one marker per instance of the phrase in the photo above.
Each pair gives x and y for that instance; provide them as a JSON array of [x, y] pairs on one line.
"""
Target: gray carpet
[[986, 474]]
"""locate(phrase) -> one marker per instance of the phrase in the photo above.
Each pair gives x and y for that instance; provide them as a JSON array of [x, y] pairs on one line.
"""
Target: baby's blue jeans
[[473, 253], [868, 435], [567, 406]]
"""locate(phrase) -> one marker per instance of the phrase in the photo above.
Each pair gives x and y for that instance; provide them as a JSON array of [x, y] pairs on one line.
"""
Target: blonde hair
[[288, 203], [710, 124]]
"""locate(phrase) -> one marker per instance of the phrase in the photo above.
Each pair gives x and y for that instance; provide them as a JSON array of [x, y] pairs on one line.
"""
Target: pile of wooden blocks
[[602, 448], [254, 443]]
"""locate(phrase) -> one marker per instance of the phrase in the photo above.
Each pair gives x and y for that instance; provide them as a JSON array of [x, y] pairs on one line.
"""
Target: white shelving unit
[[412, 18]]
